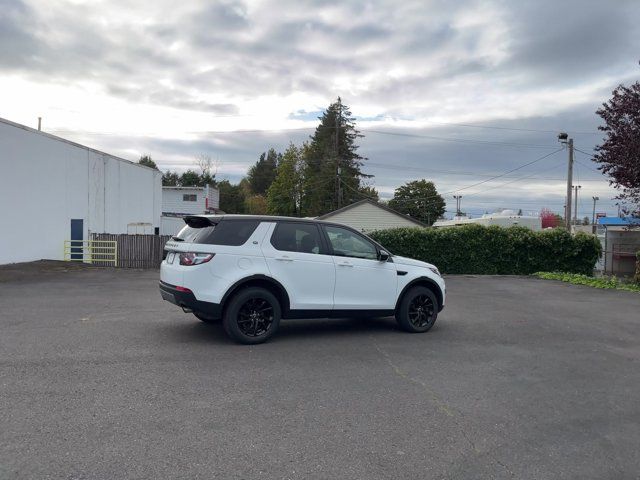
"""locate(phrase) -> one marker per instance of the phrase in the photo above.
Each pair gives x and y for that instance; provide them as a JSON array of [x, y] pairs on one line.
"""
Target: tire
[[252, 316], [206, 318], [418, 310]]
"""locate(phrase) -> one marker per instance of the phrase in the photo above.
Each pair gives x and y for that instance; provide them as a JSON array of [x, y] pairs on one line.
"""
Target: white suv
[[251, 271]]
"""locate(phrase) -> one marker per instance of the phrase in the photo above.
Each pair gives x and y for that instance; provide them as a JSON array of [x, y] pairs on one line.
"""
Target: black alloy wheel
[[255, 317], [252, 315], [421, 310], [418, 310]]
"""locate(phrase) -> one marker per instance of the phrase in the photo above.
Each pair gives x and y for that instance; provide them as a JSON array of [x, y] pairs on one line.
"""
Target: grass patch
[[596, 282]]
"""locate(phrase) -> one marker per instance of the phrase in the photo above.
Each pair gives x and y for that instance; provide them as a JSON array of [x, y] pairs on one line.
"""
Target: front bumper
[[187, 300]]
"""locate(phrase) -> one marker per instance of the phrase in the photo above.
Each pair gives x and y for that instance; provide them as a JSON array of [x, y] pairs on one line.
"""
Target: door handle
[[284, 259], [345, 264]]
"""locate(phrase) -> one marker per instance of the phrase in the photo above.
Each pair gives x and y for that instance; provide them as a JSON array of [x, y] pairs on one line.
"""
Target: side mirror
[[383, 255]]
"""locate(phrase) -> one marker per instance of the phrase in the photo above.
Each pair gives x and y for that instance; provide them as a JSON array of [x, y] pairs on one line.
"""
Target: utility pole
[[575, 213], [39, 123], [337, 152], [593, 217], [458, 203], [565, 140]]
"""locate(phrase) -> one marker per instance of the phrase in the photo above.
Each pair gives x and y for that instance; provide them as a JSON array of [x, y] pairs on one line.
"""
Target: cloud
[[165, 76]]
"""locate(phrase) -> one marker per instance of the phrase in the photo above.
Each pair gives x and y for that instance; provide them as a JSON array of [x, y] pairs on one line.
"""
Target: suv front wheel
[[252, 315], [418, 310]]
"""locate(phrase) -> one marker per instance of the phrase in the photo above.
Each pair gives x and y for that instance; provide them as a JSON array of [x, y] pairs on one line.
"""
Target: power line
[[458, 140], [509, 171], [487, 180], [494, 127], [451, 172], [581, 151], [302, 129], [512, 181]]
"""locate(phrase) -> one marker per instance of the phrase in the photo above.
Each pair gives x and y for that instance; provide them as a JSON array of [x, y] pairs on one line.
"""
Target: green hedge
[[475, 249]]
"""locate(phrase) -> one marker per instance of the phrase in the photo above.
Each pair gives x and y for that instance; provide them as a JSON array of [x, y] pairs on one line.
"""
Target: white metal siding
[[172, 201], [214, 198], [45, 182], [367, 217]]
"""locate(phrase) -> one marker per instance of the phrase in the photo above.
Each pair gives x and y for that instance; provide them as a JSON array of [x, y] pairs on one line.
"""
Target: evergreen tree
[[283, 196], [170, 179], [190, 178], [231, 197], [419, 199], [332, 147], [147, 162], [263, 172]]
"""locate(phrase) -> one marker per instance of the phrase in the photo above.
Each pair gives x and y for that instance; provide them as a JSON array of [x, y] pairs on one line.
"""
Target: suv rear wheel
[[418, 310], [252, 315]]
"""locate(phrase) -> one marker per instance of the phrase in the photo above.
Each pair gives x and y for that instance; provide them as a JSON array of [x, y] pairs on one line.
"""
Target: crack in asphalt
[[440, 404]]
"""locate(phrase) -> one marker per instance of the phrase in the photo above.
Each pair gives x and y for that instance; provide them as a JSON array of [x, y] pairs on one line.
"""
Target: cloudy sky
[[456, 92]]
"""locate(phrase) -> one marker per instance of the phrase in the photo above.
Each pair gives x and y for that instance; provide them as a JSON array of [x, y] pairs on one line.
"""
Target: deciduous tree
[[283, 196], [549, 219], [420, 200], [619, 154]]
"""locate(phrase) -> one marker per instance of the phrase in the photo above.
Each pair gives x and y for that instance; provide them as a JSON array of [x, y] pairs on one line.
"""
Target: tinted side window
[[346, 243], [296, 237], [194, 235], [230, 232]]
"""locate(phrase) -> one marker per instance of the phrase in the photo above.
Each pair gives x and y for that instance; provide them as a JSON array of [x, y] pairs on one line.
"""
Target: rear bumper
[[187, 300]]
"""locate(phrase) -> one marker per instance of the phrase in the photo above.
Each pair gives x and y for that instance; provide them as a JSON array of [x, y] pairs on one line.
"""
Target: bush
[[475, 249], [577, 279]]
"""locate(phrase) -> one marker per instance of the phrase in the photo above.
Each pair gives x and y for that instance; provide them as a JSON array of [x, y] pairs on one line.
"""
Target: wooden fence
[[136, 251]]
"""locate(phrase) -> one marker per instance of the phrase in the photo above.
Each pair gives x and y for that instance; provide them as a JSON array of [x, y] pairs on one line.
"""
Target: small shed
[[621, 242], [368, 216]]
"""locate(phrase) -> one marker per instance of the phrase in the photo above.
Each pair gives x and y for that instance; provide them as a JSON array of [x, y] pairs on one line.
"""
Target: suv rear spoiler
[[200, 221]]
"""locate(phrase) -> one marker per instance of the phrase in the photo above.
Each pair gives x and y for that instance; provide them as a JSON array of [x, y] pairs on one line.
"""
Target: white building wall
[[171, 225], [366, 217], [46, 181]]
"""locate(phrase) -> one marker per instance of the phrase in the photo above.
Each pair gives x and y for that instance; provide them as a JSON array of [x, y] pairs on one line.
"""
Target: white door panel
[[362, 281], [364, 284], [309, 278]]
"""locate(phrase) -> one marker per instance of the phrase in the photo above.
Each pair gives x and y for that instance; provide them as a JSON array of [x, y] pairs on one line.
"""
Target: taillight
[[193, 258]]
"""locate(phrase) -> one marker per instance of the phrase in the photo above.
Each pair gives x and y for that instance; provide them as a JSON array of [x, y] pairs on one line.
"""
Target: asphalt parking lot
[[520, 378]]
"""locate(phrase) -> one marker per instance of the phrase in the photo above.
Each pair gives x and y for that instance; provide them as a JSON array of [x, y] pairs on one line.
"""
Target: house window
[[189, 197]]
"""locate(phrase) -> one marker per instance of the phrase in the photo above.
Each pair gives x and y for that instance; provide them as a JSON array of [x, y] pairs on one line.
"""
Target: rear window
[[229, 232]]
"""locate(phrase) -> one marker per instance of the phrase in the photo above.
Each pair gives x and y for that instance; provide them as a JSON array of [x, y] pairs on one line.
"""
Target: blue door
[[77, 235]]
